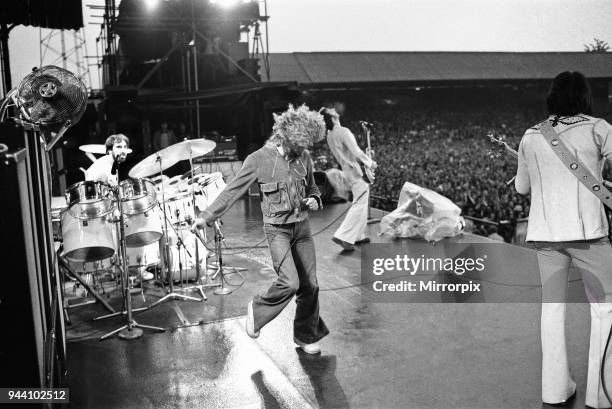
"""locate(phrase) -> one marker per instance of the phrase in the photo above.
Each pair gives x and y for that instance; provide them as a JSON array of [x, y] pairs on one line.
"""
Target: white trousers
[[594, 260], [353, 228]]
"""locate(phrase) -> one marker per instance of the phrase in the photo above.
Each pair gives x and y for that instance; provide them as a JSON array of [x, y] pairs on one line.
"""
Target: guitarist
[[344, 147], [567, 225]]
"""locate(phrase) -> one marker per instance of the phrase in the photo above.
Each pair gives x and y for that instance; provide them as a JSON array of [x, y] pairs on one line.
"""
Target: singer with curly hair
[[284, 171]]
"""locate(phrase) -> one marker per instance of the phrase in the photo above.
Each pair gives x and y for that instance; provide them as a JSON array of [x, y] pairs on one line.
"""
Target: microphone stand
[[222, 290], [132, 329]]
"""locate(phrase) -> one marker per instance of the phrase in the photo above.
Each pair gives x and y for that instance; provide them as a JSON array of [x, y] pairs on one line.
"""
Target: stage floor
[[378, 355]]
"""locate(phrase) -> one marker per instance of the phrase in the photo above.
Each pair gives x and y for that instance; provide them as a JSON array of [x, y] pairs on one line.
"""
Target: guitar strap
[[574, 164]]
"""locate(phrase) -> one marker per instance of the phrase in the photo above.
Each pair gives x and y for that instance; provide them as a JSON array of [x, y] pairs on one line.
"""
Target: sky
[[391, 25]]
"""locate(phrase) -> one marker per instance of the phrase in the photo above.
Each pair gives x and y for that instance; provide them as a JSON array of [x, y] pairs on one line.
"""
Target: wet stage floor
[[378, 355]]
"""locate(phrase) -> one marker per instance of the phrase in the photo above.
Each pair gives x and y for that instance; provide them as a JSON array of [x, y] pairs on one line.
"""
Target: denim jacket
[[283, 185]]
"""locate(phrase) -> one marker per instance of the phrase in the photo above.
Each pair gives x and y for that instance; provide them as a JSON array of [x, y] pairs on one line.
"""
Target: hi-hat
[[170, 156]]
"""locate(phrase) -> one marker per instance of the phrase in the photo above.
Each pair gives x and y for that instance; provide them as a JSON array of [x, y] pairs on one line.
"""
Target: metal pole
[[267, 50], [64, 59], [195, 70], [5, 57]]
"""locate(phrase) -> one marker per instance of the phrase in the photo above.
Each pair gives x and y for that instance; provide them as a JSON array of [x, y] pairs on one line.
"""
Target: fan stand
[[58, 135]]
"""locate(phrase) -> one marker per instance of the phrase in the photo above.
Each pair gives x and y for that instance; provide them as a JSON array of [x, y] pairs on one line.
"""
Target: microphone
[[195, 231], [115, 166], [366, 124]]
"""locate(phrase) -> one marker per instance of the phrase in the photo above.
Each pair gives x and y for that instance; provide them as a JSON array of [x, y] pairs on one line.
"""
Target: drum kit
[[142, 223]]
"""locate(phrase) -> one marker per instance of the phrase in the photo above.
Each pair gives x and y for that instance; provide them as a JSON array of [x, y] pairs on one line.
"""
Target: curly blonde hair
[[297, 128]]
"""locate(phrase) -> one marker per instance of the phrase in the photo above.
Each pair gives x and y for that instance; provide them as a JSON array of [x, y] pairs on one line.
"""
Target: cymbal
[[190, 148], [170, 156], [152, 164], [97, 148]]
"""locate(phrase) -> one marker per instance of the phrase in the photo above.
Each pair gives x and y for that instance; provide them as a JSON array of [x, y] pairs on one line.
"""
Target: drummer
[[104, 169]]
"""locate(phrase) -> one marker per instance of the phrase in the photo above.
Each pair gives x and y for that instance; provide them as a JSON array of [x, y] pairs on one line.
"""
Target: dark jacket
[[282, 186]]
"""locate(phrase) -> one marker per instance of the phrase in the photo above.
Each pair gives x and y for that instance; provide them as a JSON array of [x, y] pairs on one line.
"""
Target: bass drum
[[182, 257], [87, 240], [145, 256]]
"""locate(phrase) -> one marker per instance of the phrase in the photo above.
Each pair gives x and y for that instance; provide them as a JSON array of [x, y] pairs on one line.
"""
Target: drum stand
[[172, 294], [132, 329], [119, 265]]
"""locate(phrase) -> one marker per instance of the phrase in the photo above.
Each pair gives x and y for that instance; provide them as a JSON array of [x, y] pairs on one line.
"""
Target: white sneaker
[[250, 322], [311, 349]]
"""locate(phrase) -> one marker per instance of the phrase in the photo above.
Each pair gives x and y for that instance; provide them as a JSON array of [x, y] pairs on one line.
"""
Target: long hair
[[297, 129], [570, 94], [327, 117]]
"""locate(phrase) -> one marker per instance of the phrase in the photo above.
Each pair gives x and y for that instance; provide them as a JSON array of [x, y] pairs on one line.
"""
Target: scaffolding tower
[[66, 49]]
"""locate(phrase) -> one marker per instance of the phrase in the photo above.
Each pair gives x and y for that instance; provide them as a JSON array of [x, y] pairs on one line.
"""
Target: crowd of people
[[448, 152]]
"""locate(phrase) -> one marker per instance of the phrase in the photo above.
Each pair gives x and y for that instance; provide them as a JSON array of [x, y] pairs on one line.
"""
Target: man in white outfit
[[344, 147], [567, 225]]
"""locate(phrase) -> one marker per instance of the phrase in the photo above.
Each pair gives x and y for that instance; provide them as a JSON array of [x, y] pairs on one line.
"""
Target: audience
[[448, 152]]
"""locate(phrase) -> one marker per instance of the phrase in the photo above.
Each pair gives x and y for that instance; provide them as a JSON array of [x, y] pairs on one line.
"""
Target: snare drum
[[89, 199], [87, 239]]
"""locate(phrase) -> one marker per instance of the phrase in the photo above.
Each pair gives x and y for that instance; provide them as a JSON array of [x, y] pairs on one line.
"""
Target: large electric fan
[[51, 98]]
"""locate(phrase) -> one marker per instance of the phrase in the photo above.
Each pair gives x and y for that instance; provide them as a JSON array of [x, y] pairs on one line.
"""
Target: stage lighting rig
[[151, 4], [228, 3]]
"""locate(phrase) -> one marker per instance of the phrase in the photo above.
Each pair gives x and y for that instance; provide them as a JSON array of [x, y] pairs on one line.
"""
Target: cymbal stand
[[132, 329], [172, 294]]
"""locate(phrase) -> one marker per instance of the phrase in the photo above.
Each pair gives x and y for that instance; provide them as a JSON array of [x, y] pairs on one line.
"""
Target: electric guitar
[[500, 141], [367, 172]]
